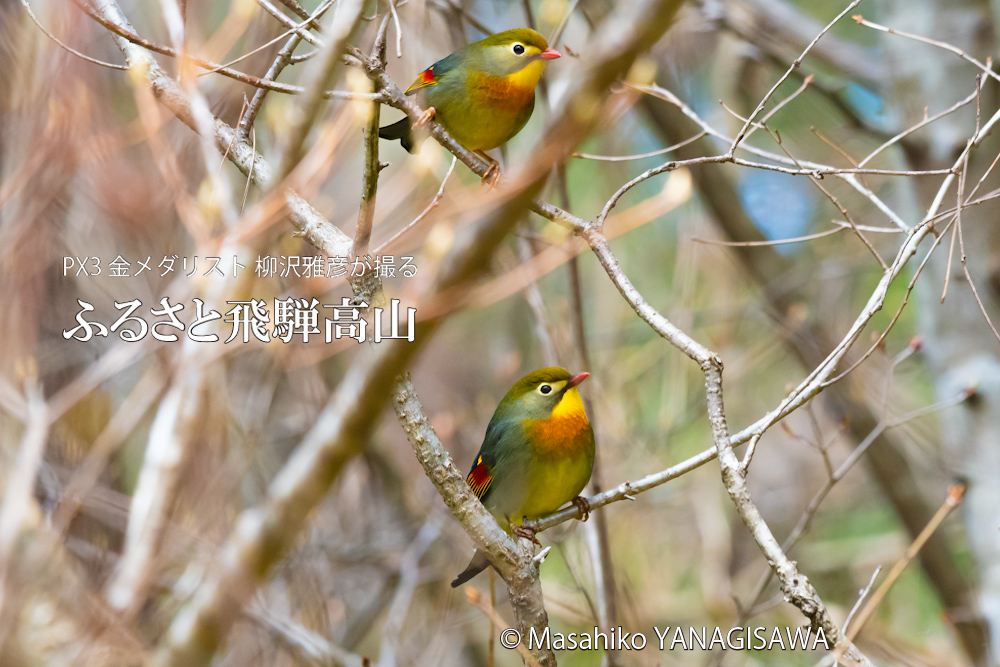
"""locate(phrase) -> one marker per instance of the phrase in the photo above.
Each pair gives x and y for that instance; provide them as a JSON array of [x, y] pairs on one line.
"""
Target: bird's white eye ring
[[545, 389], [518, 49]]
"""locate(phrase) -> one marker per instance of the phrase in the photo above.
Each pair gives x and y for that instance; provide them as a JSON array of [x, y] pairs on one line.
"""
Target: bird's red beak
[[552, 54], [577, 379]]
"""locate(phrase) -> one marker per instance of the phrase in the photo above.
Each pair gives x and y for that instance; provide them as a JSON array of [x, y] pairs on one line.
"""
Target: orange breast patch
[[500, 92], [556, 435]]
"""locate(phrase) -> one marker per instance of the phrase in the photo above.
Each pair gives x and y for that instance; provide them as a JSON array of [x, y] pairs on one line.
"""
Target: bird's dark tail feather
[[399, 130], [478, 563]]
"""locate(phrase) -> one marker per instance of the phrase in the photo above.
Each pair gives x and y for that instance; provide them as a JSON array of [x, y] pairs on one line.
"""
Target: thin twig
[[817, 172], [953, 500], [399, 28], [933, 42], [834, 477], [926, 121], [841, 226], [59, 42], [640, 156], [423, 214], [246, 190], [256, 102], [453, 5], [972, 284], [290, 24], [861, 597], [218, 68], [849, 178], [795, 64], [291, 31], [843, 211], [300, 11], [779, 106]]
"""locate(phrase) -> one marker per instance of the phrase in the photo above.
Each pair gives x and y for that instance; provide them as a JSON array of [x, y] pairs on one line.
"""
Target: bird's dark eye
[[519, 50], [545, 389]]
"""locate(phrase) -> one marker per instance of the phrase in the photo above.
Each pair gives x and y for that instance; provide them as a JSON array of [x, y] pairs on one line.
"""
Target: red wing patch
[[479, 479], [426, 78]]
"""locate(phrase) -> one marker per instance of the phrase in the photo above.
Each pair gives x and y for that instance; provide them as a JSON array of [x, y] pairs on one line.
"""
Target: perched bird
[[482, 94], [537, 455]]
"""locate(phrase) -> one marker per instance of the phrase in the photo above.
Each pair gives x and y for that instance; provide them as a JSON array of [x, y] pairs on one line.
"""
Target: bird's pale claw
[[492, 175], [525, 533], [584, 506], [426, 117]]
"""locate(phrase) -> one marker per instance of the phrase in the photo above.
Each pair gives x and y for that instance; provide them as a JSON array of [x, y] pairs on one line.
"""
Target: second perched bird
[[482, 94], [537, 455]]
